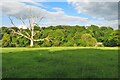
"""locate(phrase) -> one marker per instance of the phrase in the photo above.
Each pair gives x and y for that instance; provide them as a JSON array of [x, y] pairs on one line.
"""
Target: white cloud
[[58, 17], [61, 18], [93, 0], [30, 1], [106, 10], [17, 7], [57, 9], [102, 9]]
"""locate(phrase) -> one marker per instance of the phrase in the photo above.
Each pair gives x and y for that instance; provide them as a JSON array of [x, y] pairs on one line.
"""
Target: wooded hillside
[[63, 36]]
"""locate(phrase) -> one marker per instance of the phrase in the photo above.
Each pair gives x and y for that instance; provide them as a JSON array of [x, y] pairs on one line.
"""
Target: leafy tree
[[87, 40], [113, 40]]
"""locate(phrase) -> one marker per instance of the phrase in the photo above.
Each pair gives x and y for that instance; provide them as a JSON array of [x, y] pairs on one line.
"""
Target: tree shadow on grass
[[76, 63]]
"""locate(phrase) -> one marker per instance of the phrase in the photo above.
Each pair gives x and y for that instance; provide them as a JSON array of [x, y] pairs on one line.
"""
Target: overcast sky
[[63, 12]]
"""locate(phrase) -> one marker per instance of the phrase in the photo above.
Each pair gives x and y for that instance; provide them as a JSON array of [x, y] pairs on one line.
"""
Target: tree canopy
[[63, 36]]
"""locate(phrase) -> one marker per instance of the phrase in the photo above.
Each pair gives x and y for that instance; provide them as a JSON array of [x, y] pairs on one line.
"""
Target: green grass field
[[60, 62]]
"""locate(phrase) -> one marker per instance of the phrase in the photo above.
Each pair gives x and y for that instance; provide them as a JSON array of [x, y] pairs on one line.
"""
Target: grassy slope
[[63, 62]]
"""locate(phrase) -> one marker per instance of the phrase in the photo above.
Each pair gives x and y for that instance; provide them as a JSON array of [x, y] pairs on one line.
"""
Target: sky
[[62, 12]]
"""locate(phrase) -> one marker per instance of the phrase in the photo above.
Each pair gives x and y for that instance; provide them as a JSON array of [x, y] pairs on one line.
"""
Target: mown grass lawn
[[60, 62]]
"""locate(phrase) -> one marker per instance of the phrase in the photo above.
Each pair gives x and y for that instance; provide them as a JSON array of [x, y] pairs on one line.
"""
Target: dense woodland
[[86, 36]]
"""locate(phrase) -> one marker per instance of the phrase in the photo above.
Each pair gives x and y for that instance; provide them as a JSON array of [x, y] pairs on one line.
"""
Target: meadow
[[60, 62]]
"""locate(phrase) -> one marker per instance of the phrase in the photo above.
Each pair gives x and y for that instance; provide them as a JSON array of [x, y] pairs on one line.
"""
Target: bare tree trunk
[[32, 34], [31, 43]]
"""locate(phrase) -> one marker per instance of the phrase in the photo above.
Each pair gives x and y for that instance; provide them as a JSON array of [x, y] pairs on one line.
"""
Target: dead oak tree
[[32, 20]]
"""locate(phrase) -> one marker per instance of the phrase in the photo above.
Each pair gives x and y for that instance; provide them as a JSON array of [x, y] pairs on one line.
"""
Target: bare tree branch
[[27, 33], [19, 36], [38, 40], [40, 20], [22, 21], [32, 20], [34, 33], [19, 33], [12, 22], [29, 23], [41, 39]]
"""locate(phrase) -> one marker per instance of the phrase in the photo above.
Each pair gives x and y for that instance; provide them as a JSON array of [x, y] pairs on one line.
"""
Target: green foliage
[[14, 41], [87, 40], [6, 40], [23, 42], [0, 43], [64, 36], [114, 39]]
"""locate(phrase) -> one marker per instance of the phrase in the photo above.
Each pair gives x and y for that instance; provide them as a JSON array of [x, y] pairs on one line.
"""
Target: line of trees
[[62, 36]]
